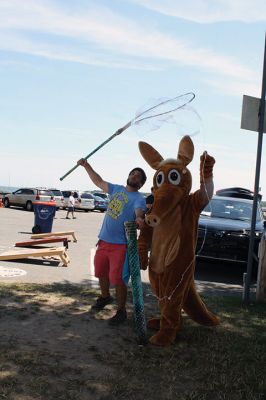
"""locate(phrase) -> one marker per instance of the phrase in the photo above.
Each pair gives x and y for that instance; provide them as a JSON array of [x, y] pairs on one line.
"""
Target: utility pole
[[260, 130]]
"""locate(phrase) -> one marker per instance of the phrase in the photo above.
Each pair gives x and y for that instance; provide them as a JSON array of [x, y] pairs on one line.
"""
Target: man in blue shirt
[[126, 204]]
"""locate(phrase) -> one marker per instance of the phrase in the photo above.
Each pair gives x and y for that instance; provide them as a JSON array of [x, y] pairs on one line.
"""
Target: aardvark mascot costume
[[170, 234]]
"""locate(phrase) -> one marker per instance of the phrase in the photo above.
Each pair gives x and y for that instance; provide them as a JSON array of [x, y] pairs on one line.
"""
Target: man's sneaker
[[101, 302], [118, 318]]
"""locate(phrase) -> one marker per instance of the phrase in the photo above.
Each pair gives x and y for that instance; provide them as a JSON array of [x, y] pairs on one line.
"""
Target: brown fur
[[170, 233]]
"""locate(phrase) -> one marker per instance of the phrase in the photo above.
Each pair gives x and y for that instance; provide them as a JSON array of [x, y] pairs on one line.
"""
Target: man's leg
[[101, 264], [121, 296], [104, 285], [116, 272]]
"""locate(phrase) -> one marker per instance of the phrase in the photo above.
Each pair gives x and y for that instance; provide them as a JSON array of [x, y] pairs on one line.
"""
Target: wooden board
[[37, 242], [28, 253], [64, 233]]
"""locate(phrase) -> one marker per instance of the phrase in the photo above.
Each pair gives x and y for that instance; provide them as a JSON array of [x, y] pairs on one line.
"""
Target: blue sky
[[73, 72]]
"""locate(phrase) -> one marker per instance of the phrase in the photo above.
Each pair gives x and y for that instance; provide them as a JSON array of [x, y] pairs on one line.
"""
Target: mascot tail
[[197, 310]]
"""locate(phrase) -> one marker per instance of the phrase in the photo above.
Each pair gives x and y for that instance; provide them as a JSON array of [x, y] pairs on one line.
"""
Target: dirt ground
[[53, 347]]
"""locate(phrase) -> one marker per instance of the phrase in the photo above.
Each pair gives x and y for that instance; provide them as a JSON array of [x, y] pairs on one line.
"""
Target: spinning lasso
[[134, 268], [159, 113]]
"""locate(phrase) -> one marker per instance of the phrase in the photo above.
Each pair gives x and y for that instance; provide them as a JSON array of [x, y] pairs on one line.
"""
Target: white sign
[[250, 114]]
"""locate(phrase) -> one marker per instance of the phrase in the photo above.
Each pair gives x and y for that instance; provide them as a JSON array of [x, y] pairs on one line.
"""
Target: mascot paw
[[154, 323], [143, 260], [163, 338]]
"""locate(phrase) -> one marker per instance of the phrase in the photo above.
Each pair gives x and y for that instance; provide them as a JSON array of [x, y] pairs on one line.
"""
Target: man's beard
[[134, 185]]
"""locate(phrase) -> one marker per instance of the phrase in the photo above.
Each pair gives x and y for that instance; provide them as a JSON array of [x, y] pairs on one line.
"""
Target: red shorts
[[109, 261]]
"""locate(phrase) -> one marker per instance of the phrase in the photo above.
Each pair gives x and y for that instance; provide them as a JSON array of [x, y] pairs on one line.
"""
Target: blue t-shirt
[[121, 208]]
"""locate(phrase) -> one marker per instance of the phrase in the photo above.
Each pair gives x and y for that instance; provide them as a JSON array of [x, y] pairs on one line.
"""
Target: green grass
[[52, 348]]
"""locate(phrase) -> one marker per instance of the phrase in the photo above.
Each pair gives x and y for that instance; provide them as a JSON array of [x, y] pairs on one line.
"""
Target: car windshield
[[98, 198], [230, 209]]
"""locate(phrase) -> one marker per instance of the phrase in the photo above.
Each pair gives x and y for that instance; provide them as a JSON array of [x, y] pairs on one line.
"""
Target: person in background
[[126, 204], [150, 200], [71, 206]]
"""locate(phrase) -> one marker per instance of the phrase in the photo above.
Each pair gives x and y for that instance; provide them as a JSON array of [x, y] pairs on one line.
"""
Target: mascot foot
[[154, 323], [164, 337]]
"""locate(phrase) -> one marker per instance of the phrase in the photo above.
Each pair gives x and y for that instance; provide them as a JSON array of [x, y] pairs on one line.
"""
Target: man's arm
[[139, 217], [96, 178]]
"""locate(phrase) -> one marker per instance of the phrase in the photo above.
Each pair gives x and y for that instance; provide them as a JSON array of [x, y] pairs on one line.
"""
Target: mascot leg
[[154, 323], [170, 321]]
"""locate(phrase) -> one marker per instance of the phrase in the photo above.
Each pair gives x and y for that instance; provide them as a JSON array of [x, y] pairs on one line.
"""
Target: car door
[[18, 198]]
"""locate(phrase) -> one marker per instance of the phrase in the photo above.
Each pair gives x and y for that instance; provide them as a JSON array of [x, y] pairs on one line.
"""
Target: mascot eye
[[174, 177], [160, 178]]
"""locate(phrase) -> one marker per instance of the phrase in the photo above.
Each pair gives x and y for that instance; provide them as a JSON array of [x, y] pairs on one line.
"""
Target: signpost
[[253, 113]]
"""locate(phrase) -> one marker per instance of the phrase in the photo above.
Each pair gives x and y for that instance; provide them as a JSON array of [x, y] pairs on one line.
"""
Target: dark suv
[[25, 197], [224, 227]]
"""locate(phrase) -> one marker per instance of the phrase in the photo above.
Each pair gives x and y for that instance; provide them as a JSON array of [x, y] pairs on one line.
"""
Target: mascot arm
[[144, 245], [204, 194]]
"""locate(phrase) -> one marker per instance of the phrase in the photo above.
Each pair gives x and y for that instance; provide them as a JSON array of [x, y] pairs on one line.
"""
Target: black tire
[[36, 229], [29, 206], [6, 203]]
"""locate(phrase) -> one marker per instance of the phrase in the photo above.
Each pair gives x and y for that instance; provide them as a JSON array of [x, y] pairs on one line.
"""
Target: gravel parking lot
[[16, 225]]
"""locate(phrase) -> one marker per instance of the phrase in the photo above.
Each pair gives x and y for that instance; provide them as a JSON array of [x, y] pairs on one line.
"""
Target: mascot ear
[[185, 150], [150, 155]]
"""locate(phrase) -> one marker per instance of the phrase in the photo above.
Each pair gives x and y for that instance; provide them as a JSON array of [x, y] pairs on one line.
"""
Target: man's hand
[[140, 222], [82, 162]]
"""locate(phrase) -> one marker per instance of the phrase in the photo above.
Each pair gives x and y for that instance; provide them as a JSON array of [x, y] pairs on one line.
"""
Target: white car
[[25, 197], [83, 200], [58, 197]]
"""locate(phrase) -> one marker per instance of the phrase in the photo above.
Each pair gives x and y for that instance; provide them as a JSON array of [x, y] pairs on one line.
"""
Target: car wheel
[[29, 206], [86, 210], [36, 229], [6, 203]]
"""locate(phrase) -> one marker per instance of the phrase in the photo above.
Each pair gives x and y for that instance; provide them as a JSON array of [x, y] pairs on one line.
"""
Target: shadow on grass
[[53, 347]]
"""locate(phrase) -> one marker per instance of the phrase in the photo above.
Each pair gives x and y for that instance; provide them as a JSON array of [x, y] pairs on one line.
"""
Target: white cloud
[[98, 36], [209, 11], [236, 87]]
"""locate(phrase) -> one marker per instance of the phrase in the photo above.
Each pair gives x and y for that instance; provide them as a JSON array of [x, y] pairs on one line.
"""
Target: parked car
[[25, 197], [224, 227], [100, 203], [58, 197], [86, 202], [102, 195], [83, 200]]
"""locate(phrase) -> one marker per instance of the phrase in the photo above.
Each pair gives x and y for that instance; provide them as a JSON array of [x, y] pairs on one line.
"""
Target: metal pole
[[246, 295]]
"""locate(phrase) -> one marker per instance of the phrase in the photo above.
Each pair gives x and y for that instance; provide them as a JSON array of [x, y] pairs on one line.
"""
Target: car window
[[56, 192], [231, 209], [45, 193], [28, 191], [86, 196]]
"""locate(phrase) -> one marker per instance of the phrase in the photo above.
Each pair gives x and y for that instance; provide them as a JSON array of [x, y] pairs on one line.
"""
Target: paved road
[[16, 225]]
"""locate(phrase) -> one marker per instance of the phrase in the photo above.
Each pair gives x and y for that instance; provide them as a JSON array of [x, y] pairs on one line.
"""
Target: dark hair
[[143, 175]]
